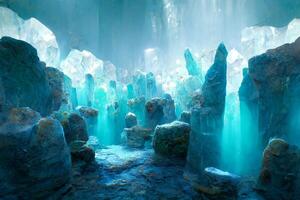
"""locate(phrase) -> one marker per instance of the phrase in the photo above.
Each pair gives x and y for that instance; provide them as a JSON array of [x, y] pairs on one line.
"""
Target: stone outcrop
[[80, 151], [74, 128], [172, 139], [35, 159], [248, 92], [130, 120], [136, 136], [280, 173], [76, 135], [159, 111], [217, 184], [185, 117], [61, 90], [276, 75], [24, 82], [207, 116]]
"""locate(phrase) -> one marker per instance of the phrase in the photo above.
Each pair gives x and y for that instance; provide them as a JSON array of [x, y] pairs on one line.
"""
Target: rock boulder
[[172, 139]]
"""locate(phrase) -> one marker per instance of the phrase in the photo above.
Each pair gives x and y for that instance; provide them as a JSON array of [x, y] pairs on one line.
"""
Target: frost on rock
[[79, 63], [31, 31]]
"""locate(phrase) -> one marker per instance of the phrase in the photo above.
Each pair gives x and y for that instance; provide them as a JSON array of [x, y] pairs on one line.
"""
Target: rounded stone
[[172, 139]]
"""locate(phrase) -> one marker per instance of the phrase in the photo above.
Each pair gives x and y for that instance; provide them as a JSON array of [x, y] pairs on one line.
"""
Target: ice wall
[[256, 40], [31, 31], [79, 63]]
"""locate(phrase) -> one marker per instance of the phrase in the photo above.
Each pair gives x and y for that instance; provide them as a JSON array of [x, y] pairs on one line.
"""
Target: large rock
[[61, 89], [276, 75], [218, 184], [172, 139], [82, 152], [35, 159], [74, 127], [207, 116], [159, 111], [185, 116], [136, 136], [24, 82], [280, 173]]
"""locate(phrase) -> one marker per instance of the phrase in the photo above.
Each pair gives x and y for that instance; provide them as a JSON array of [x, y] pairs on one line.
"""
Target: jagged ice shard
[[33, 32]]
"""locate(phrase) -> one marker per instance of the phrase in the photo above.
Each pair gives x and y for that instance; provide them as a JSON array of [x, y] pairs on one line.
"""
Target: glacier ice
[[293, 31], [33, 32], [110, 70], [10, 23], [256, 40], [79, 63]]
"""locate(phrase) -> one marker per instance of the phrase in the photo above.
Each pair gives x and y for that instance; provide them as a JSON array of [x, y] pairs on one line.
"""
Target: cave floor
[[135, 174], [132, 174]]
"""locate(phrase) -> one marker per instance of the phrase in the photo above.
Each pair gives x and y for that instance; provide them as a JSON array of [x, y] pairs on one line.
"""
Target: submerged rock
[[172, 139], [23, 78], [280, 173], [35, 159]]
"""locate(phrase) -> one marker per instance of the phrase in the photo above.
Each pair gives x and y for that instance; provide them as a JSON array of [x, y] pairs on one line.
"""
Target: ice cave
[[150, 99]]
